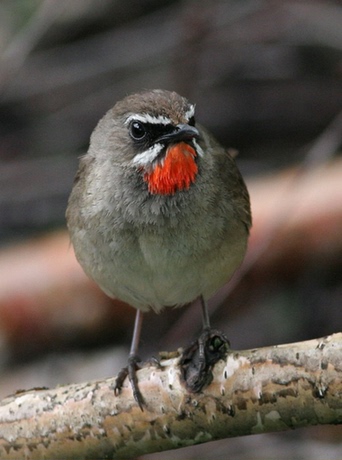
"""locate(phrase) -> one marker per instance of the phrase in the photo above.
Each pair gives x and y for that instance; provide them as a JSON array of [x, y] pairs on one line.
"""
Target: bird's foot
[[131, 371], [199, 358]]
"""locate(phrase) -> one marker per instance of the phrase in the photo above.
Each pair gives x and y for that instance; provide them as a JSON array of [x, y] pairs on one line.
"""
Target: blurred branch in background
[[45, 297]]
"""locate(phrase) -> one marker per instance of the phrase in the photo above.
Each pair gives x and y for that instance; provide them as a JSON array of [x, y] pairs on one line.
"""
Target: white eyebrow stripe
[[147, 118], [190, 113], [147, 157]]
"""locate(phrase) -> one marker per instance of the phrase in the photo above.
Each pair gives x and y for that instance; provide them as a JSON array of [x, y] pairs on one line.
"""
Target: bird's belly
[[154, 271]]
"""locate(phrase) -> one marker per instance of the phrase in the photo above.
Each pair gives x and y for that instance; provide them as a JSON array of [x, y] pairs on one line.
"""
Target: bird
[[159, 214]]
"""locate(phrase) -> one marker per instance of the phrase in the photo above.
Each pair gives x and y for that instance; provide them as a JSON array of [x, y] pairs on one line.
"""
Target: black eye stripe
[[152, 131], [157, 130]]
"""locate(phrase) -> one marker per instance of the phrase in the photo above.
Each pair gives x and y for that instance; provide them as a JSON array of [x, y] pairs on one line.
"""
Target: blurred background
[[266, 77]]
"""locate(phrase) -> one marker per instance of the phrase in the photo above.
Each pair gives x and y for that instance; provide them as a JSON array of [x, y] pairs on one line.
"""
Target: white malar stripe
[[147, 118], [199, 149], [190, 113], [147, 157]]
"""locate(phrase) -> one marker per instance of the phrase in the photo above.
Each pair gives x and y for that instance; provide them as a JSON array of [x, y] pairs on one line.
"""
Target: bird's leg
[[199, 358], [131, 369], [205, 314]]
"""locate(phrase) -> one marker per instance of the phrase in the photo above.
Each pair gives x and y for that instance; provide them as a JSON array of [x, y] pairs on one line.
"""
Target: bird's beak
[[182, 132]]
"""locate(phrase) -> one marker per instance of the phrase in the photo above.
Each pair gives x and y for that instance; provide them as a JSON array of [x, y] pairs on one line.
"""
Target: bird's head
[[156, 134]]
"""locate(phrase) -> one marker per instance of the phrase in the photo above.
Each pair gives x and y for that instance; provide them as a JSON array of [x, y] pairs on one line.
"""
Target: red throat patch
[[177, 172]]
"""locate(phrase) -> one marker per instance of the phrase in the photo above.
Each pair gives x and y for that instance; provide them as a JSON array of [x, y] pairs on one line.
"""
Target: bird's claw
[[130, 371], [199, 358]]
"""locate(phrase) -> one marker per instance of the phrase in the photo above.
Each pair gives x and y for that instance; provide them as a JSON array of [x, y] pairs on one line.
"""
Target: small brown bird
[[159, 214]]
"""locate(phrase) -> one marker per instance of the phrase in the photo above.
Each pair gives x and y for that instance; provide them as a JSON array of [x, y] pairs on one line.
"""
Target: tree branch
[[254, 391]]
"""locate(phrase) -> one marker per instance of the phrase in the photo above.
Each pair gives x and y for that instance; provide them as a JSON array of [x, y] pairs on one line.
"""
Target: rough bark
[[255, 391]]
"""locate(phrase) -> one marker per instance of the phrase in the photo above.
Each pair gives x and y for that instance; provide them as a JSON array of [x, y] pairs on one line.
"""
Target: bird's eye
[[137, 130]]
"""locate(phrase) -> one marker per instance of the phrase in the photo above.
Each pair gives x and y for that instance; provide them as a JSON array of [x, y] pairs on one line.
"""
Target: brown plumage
[[159, 214]]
